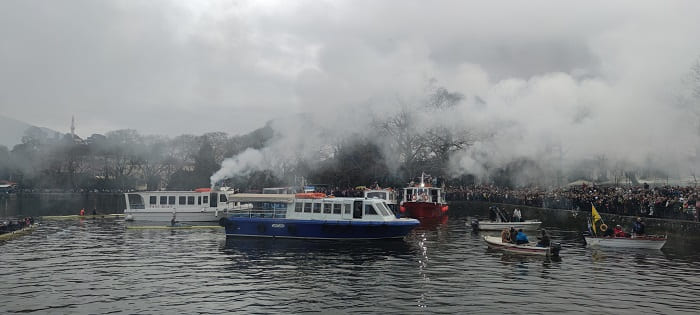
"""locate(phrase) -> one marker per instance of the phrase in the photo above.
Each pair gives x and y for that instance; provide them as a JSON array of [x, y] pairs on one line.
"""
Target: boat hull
[[165, 215], [527, 249], [20, 232], [498, 226], [315, 229], [421, 210], [627, 242]]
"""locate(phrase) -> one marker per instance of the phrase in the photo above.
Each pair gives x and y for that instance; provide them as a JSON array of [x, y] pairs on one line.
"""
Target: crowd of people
[[673, 202], [14, 225]]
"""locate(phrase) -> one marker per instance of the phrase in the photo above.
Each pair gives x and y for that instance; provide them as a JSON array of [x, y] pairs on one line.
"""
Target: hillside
[[12, 130]]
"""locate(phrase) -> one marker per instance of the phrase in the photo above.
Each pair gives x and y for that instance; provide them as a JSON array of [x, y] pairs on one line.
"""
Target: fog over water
[[553, 81]]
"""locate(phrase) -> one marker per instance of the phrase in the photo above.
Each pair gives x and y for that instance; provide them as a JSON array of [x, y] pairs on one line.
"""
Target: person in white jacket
[[517, 216]]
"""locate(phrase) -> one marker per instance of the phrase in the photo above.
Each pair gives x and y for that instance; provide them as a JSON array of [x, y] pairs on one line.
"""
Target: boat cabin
[[389, 197], [312, 207], [177, 199], [423, 194]]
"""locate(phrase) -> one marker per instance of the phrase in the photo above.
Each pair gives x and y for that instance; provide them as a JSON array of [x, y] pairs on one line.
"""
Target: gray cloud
[[593, 77]]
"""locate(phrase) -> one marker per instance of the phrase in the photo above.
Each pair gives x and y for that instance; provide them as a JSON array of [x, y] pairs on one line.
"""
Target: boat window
[[205, 200], [297, 207], [171, 200], [307, 207], [369, 210], [199, 200], [136, 201], [153, 200], [347, 208], [357, 210], [336, 208], [391, 210], [222, 198], [382, 209], [190, 200], [317, 208], [182, 200], [212, 200], [380, 195], [327, 207], [163, 200]]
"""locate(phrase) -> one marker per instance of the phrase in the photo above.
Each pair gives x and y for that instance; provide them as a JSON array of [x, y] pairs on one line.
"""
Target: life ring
[[425, 197], [413, 198], [603, 227]]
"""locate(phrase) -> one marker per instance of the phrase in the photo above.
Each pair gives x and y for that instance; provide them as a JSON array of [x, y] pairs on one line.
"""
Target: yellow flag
[[596, 217]]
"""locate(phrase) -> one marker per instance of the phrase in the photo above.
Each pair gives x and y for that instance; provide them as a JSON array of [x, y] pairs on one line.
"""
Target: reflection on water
[[99, 266]]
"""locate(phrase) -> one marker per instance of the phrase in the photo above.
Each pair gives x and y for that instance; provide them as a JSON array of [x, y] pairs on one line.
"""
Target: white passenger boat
[[200, 205], [646, 241], [529, 248]]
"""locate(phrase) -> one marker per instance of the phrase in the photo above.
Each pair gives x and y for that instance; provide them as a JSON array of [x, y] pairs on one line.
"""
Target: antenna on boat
[[422, 182]]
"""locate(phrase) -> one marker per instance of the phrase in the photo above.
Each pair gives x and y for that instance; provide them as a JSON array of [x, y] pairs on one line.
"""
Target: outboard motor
[[475, 225], [555, 248]]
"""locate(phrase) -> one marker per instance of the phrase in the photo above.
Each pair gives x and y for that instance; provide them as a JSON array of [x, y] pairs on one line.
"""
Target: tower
[[72, 127]]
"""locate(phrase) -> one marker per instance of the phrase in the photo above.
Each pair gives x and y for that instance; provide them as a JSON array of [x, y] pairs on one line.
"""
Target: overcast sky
[[614, 69]]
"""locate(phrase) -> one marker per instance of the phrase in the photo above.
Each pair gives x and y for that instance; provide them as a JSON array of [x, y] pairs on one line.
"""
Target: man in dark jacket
[[545, 241], [638, 227]]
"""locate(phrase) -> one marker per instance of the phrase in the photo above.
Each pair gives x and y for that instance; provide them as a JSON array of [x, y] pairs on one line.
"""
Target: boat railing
[[259, 213]]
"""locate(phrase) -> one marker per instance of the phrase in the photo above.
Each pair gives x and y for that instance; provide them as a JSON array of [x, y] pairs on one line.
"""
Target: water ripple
[[97, 266]]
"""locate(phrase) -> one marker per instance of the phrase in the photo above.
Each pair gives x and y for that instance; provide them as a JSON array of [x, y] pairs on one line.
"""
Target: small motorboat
[[17, 233], [498, 226], [503, 222], [634, 241], [529, 248]]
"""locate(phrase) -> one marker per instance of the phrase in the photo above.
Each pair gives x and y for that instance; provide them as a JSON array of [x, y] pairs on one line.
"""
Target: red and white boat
[[423, 201]]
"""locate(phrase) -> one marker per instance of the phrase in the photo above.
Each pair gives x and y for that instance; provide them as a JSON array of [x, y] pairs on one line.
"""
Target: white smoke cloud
[[545, 80], [241, 164]]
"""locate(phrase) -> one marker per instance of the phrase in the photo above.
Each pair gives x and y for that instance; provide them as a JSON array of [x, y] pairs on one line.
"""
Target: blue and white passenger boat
[[314, 216]]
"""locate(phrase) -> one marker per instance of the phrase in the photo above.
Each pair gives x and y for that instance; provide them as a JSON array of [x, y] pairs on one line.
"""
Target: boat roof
[[262, 197]]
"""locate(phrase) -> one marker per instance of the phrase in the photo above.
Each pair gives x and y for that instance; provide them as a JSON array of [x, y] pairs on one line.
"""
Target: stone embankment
[[577, 220]]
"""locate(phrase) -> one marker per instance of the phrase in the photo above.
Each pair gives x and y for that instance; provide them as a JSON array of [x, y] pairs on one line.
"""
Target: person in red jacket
[[618, 232]]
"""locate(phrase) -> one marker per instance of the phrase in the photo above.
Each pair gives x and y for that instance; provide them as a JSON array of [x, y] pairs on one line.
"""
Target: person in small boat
[[638, 228], [505, 236], [513, 233], [82, 212], [173, 221], [545, 240], [618, 232], [521, 238]]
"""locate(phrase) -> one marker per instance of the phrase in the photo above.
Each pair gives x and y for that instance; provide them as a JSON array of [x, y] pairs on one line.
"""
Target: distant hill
[[12, 130]]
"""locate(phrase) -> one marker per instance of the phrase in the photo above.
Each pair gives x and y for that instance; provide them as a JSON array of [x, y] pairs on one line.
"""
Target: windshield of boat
[[383, 209]]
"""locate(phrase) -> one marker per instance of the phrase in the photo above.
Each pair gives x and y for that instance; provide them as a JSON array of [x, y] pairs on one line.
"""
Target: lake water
[[98, 266]]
